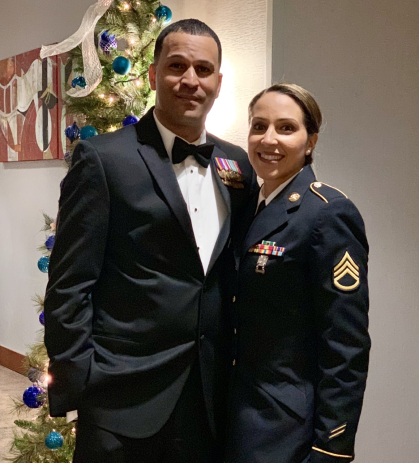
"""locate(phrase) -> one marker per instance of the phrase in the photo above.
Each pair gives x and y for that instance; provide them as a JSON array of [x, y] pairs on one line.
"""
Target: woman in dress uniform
[[301, 305]]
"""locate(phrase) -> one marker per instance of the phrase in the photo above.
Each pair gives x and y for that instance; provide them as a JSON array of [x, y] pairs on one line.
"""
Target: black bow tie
[[202, 153]]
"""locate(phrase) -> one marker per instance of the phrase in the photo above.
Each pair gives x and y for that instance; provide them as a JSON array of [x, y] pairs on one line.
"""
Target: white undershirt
[[275, 193], [203, 199]]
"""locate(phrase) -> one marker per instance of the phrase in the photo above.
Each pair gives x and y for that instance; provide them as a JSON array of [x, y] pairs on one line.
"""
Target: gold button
[[294, 197], [317, 184], [235, 331], [234, 298], [234, 362]]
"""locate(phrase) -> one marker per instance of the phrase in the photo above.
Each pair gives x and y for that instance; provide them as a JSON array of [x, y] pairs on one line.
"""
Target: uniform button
[[234, 362], [234, 298], [235, 331]]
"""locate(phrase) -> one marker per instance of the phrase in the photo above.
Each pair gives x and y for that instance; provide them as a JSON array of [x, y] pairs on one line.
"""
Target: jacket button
[[234, 362], [235, 331], [234, 298]]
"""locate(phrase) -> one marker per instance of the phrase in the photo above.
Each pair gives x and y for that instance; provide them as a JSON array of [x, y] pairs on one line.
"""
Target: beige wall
[[361, 61], [27, 189]]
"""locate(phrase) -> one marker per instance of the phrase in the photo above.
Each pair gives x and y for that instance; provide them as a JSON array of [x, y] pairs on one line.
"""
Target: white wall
[[28, 188], [361, 61]]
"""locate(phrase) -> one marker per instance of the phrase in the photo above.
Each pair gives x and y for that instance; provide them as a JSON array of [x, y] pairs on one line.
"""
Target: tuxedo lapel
[[225, 229], [153, 153]]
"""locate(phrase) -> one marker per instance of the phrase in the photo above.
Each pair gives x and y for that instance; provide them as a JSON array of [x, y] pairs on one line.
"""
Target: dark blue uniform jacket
[[302, 343]]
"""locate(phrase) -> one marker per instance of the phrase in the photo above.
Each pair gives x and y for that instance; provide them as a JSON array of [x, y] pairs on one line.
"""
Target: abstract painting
[[32, 114]]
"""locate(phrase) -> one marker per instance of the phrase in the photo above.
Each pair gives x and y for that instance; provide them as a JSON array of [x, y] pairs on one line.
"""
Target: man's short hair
[[188, 26]]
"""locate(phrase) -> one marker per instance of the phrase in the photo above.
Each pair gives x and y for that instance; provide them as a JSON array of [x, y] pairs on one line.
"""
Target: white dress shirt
[[202, 196]]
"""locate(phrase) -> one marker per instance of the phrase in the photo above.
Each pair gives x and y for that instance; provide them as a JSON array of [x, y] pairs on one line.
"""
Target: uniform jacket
[[128, 308], [302, 341]]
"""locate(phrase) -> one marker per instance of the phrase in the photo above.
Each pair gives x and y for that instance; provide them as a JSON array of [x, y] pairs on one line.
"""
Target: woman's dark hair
[[304, 99], [188, 26]]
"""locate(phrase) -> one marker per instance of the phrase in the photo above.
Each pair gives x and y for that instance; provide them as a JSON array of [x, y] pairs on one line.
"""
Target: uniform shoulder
[[326, 192]]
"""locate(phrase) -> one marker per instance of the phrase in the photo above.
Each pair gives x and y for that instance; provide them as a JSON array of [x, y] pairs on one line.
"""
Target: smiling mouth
[[188, 97], [270, 157]]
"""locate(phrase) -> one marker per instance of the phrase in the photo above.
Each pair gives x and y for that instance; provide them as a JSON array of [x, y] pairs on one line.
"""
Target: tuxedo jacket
[[302, 341], [128, 307]]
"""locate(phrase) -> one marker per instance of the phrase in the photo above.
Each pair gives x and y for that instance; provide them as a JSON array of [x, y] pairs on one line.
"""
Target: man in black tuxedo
[[136, 325]]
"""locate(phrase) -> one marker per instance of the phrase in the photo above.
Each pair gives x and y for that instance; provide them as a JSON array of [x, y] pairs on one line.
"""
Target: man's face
[[187, 81]]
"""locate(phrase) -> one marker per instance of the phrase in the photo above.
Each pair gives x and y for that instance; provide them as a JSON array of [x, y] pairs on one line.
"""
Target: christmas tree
[[115, 94]]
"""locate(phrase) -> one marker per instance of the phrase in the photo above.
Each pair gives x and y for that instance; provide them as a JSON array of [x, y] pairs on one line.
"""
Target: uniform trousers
[[185, 438]]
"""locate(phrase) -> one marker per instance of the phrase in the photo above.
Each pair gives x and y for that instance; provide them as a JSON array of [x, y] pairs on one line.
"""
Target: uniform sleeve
[[75, 266], [338, 269]]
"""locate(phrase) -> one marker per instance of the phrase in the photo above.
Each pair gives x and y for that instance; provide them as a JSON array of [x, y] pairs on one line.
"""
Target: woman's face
[[278, 141]]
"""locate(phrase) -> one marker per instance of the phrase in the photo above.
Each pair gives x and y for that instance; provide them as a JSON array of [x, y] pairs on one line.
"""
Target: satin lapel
[[225, 229], [154, 154]]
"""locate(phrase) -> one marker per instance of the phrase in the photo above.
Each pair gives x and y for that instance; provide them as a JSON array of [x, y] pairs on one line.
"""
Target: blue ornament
[[30, 397], [88, 131], [54, 440], [43, 264], [42, 318], [163, 12], [80, 81], [107, 42], [49, 243], [72, 132], [130, 120], [121, 65]]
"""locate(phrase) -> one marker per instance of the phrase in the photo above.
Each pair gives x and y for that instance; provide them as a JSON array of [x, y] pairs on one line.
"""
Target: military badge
[[265, 249], [346, 274], [229, 172]]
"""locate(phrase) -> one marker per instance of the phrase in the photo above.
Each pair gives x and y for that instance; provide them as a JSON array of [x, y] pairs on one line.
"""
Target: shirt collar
[[276, 192], [168, 136]]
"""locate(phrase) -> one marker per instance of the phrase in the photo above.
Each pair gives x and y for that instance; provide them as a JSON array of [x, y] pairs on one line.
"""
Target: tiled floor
[[11, 385]]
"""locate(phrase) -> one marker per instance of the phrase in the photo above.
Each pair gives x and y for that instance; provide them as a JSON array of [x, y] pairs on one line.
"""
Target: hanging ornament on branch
[[121, 65], [107, 42], [163, 13], [54, 440], [80, 81], [34, 397], [88, 131]]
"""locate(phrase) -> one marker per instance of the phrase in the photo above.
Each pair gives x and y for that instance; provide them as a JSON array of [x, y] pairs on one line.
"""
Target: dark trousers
[[185, 438]]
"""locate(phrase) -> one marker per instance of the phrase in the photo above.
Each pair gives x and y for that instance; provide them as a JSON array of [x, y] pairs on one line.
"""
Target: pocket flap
[[289, 395]]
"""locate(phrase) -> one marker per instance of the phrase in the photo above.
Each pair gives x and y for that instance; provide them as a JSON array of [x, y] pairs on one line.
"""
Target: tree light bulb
[[111, 99], [111, 129], [102, 95], [126, 6], [132, 41], [138, 83]]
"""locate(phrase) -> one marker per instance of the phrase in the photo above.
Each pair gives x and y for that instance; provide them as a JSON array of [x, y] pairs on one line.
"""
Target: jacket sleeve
[[75, 266], [338, 279]]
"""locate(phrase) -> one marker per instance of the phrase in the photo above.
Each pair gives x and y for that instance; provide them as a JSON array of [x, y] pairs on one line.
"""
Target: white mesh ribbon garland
[[86, 36]]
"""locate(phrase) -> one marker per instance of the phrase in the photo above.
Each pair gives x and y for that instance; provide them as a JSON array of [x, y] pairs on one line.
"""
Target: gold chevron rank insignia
[[346, 274]]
